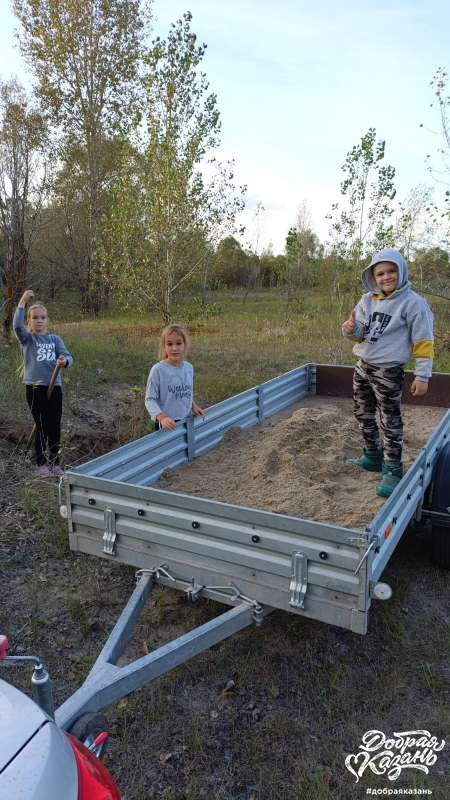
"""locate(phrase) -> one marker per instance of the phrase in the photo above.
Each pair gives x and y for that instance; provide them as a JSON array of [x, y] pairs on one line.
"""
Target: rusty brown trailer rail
[[336, 381]]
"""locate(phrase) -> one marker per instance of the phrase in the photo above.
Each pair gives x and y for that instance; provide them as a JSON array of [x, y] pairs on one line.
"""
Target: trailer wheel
[[86, 729], [440, 547], [440, 501]]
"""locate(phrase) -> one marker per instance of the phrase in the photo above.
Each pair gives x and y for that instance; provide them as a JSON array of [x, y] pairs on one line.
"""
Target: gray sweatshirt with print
[[390, 329], [39, 352], [170, 390]]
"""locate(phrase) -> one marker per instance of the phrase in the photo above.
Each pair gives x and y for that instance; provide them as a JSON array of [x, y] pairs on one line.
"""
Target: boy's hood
[[388, 254]]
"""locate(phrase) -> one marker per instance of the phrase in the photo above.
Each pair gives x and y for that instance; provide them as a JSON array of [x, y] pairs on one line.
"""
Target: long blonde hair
[[174, 328], [30, 309]]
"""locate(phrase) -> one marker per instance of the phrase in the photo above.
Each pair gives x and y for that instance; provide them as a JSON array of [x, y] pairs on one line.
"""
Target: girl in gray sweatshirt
[[169, 396], [42, 352]]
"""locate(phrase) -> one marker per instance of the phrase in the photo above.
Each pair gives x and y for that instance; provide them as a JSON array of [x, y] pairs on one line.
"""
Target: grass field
[[241, 344], [272, 713]]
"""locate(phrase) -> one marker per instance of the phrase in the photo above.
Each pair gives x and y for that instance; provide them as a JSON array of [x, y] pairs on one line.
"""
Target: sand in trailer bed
[[294, 464]]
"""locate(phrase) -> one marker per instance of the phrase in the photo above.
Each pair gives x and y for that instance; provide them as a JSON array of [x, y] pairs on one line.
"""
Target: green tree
[[86, 55], [272, 269], [23, 183], [54, 264], [431, 268], [71, 205], [364, 222], [166, 211], [232, 265], [303, 253]]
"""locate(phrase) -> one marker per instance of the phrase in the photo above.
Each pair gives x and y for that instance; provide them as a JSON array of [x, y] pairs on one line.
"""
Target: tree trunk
[[94, 295], [15, 277], [7, 315]]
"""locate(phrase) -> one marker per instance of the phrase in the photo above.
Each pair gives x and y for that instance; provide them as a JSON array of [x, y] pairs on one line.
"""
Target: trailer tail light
[[94, 780]]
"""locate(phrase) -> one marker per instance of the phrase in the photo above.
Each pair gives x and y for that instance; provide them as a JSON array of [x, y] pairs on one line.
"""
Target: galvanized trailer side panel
[[217, 544], [142, 462], [393, 518]]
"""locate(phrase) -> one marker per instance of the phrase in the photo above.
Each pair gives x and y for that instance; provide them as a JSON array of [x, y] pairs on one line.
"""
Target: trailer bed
[[293, 464]]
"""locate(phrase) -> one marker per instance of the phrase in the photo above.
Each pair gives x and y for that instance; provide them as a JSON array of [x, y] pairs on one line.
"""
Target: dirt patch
[[92, 422], [296, 465]]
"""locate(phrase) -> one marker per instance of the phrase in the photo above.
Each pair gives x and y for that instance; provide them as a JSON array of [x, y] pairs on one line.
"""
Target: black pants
[[47, 414]]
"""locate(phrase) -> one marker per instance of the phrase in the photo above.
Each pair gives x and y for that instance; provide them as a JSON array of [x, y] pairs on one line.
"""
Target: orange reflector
[[387, 532]]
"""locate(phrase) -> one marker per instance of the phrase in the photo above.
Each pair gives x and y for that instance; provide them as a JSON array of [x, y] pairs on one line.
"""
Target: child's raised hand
[[418, 388], [26, 297], [350, 323], [167, 423]]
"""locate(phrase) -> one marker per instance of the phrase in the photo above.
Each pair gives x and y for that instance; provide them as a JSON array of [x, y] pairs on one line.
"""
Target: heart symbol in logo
[[356, 763]]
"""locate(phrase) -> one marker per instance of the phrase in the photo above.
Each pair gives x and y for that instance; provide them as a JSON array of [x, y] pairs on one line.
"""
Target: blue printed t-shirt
[[39, 352]]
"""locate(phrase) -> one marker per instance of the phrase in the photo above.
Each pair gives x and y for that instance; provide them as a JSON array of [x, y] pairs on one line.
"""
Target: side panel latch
[[109, 536], [299, 580]]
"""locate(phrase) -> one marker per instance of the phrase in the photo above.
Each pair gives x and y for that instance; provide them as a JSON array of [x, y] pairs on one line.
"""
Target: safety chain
[[194, 590]]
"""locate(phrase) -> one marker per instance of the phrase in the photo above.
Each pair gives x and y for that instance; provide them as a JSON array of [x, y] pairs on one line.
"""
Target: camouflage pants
[[380, 389]]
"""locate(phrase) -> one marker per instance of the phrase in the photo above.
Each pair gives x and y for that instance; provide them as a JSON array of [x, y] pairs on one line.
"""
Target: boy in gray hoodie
[[390, 324]]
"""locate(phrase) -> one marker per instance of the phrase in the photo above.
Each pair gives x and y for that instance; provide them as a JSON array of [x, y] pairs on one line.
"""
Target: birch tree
[[362, 222]]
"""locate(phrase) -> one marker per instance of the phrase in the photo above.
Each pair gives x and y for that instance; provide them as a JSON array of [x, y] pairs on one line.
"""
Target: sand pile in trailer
[[295, 465]]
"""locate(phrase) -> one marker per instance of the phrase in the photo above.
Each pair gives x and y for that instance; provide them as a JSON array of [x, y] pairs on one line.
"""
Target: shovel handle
[[55, 374]]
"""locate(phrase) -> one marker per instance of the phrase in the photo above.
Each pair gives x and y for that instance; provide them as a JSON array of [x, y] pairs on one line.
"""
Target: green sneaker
[[391, 477], [370, 460]]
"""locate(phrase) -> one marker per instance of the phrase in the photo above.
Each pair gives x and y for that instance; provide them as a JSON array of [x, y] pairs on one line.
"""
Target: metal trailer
[[252, 560]]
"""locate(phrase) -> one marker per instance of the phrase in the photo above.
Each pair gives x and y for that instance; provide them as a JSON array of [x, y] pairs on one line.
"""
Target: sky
[[298, 84]]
